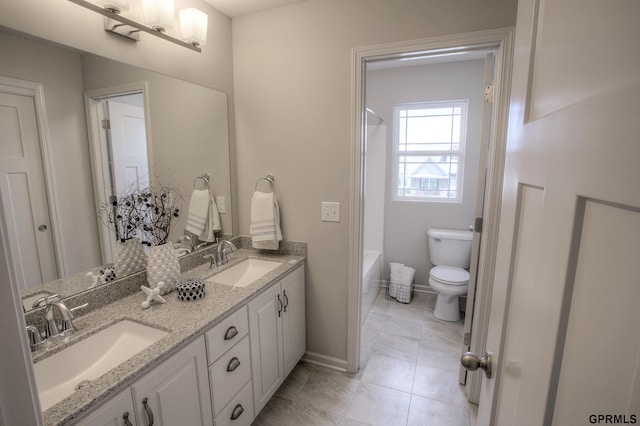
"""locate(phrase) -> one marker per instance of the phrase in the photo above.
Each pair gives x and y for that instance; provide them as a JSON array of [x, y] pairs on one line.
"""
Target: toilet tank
[[450, 247]]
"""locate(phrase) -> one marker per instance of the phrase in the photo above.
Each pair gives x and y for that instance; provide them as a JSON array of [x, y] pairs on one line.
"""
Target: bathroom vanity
[[220, 354]]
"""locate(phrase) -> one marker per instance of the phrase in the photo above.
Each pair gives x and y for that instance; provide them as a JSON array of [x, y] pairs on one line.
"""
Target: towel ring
[[269, 178], [204, 177]]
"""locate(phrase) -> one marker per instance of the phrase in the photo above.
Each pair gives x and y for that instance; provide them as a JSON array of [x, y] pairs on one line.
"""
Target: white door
[[564, 316], [22, 188], [130, 166]]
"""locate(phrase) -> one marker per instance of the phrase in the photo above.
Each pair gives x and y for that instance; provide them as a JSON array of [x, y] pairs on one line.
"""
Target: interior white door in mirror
[[563, 326], [22, 187], [130, 165]]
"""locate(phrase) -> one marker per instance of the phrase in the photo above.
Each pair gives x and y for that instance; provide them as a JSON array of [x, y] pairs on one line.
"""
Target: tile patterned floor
[[408, 376]]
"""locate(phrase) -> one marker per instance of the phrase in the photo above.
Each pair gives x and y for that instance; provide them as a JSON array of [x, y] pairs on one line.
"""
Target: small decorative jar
[[190, 289]]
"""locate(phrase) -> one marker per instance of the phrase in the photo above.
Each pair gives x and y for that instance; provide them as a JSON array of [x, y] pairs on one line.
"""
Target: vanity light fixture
[[158, 14], [158, 18], [193, 25]]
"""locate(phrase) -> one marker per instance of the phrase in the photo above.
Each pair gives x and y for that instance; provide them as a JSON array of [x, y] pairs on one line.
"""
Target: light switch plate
[[330, 211], [220, 202]]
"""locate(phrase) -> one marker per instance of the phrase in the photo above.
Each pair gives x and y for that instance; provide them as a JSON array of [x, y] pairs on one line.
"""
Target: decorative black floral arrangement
[[144, 213]]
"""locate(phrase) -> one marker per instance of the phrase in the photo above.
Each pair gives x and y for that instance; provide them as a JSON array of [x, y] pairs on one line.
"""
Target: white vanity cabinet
[[177, 391], [277, 332], [230, 370], [174, 393], [118, 411]]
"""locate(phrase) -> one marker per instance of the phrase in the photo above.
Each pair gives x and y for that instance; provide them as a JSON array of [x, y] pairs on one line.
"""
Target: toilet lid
[[450, 275]]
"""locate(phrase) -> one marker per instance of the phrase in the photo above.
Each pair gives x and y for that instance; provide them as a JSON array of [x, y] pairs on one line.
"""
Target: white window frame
[[463, 103]]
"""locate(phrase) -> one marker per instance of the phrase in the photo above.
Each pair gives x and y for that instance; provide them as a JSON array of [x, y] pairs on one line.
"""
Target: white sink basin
[[58, 375], [244, 273]]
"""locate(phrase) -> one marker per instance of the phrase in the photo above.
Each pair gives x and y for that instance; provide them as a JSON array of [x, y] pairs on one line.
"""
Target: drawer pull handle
[[147, 409], [125, 416], [231, 333], [286, 299], [237, 412], [279, 306], [233, 364]]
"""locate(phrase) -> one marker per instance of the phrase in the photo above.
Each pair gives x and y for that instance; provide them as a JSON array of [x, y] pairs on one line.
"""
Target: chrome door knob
[[471, 362]]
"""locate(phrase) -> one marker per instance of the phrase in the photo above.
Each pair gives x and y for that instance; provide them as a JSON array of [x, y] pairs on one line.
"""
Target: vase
[[129, 257], [163, 265]]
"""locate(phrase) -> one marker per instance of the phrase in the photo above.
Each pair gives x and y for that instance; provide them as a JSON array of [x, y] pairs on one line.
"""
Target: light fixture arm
[[134, 24]]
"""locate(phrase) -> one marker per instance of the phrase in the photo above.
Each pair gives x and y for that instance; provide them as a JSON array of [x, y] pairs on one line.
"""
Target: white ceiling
[[234, 8]]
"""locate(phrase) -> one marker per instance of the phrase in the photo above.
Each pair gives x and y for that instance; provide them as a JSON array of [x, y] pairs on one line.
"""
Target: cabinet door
[[265, 330], [293, 324], [177, 391], [116, 412]]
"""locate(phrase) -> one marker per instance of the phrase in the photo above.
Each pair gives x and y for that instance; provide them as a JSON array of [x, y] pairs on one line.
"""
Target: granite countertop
[[185, 321]]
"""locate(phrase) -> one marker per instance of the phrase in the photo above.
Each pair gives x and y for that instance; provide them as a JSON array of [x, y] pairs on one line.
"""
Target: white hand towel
[[273, 244], [213, 222], [265, 221], [198, 211]]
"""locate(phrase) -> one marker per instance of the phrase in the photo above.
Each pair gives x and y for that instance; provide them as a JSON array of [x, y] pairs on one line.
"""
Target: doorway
[[30, 209], [496, 41], [120, 150]]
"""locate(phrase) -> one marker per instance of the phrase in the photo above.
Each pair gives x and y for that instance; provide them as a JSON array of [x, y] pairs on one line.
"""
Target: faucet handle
[[35, 338], [213, 262]]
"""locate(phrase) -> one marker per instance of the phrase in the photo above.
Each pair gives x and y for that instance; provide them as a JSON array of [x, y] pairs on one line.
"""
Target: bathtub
[[371, 280]]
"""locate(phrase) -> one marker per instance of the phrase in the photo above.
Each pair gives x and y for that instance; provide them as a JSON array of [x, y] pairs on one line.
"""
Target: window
[[428, 145]]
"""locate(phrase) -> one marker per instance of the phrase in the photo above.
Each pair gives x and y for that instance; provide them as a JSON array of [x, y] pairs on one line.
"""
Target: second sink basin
[[59, 375], [245, 272]]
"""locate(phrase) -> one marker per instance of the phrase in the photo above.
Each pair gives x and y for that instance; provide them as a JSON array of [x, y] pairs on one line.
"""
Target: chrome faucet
[[66, 326], [222, 253], [189, 240], [219, 258]]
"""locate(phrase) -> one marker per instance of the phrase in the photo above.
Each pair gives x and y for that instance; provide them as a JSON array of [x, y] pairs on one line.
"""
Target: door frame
[[93, 100], [36, 91], [501, 40]]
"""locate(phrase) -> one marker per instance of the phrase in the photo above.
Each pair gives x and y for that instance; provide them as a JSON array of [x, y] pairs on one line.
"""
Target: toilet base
[[447, 308]]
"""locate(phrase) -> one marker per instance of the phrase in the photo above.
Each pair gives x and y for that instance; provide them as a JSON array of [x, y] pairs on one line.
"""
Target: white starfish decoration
[[152, 294]]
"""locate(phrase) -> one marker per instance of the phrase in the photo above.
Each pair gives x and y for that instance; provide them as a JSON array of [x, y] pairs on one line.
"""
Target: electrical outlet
[[220, 202], [330, 211]]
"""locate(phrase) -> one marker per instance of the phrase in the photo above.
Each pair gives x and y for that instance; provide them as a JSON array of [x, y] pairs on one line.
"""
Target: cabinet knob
[[237, 412]]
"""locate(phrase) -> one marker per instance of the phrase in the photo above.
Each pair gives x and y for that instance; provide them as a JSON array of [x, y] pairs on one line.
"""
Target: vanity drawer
[[229, 374], [226, 334], [239, 411]]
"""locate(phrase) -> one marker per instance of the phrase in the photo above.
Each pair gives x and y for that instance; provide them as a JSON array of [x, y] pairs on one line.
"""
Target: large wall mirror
[[49, 175]]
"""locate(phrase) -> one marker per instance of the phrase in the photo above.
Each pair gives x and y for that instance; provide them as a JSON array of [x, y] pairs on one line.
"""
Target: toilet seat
[[449, 275]]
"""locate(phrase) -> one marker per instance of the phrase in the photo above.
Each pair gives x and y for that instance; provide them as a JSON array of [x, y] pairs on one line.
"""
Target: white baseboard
[[325, 361]]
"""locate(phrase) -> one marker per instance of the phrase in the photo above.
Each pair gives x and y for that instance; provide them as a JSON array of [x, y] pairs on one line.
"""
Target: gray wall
[[292, 76], [406, 222]]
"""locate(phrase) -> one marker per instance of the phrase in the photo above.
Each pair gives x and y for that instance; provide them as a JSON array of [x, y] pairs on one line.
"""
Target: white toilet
[[450, 252]]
